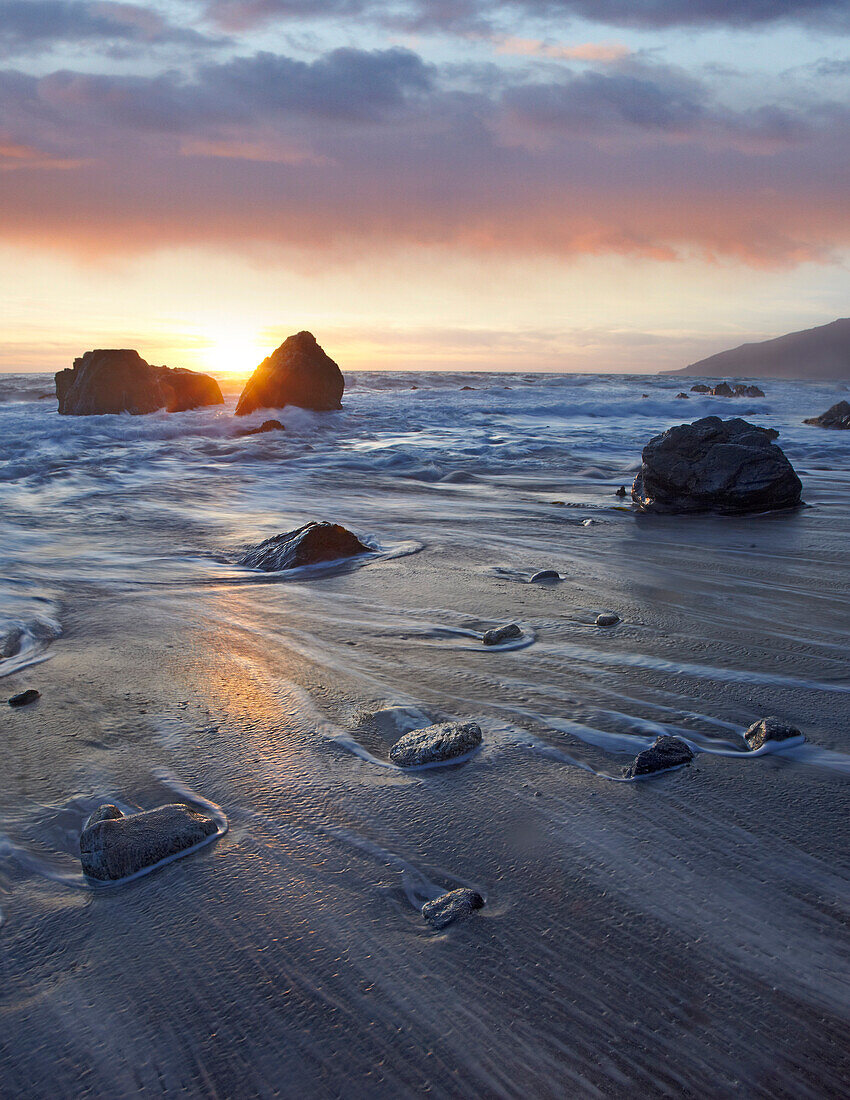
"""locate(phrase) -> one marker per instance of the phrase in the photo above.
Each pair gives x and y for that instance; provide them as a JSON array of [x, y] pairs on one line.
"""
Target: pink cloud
[[604, 52]]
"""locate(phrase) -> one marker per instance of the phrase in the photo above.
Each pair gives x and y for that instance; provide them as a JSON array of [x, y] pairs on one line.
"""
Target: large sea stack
[[118, 380], [714, 465], [298, 373]]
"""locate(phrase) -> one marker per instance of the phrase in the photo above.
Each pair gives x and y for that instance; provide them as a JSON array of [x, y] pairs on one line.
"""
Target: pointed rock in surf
[[436, 744], [298, 373], [713, 465], [667, 753], [837, 416], [308, 545], [113, 846], [769, 729], [118, 380], [455, 905]]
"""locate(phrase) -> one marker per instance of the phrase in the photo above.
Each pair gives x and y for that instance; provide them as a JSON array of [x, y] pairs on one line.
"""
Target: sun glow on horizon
[[235, 354]]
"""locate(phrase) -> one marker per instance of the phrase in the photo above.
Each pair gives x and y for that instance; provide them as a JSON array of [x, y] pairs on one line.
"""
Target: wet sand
[[684, 936]]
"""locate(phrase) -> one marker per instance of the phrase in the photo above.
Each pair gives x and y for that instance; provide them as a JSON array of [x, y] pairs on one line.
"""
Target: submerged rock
[[434, 744], [308, 545], [769, 729], [501, 634], [666, 753], [113, 846], [700, 387], [607, 618], [838, 416], [455, 905], [266, 426], [714, 465], [117, 380], [545, 575], [297, 373], [682, 396], [24, 698]]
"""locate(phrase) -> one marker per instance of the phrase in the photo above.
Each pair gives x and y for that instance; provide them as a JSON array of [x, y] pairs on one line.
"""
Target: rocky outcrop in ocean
[[714, 465], [837, 416], [118, 380], [308, 545], [297, 373], [113, 846]]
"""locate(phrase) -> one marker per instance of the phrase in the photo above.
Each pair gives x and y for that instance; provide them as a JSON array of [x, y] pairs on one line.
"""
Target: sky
[[590, 185]]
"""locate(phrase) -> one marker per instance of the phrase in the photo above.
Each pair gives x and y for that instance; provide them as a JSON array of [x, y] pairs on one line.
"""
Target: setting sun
[[233, 353]]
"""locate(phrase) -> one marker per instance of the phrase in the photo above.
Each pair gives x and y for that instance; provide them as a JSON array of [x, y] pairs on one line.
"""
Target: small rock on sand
[[607, 618], [769, 729], [545, 575], [434, 744], [309, 545], [25, 697], [113, 846], [455, 905], [501, 634], [666, 753]]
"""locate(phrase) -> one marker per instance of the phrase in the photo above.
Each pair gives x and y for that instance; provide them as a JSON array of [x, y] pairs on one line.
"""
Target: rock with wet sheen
[[769, 729], [546, 575], [714, 465], [24, 698], [434, 744], [114, 845], [501, 634], [607, 618], [308, 545], [837, 416], [450, 907], [266, 426], [666, 753]]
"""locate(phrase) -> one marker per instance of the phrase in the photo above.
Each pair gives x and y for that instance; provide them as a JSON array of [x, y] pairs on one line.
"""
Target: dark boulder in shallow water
[[113, 846], [435, 744], [665, 754], [769, 729], [119, 381], [700, 387], [308, 545], [742, 390], [501, 634], [682, 396], [25, 698], [714, 465], [455, 905], [297, 373], [266, 426], [723, 389], [838, 416]]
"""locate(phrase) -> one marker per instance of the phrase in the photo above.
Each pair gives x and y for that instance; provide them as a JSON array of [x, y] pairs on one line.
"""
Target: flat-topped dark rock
[[435, 744], [448, 908], [837, 416], [297, 373], [700, 387], [667, 753], [308, 545], [769, 729], [113, 846], [118, 380], [714, 465]]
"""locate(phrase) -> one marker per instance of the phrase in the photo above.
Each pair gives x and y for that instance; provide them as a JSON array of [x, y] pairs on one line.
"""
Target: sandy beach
[[681, 936]]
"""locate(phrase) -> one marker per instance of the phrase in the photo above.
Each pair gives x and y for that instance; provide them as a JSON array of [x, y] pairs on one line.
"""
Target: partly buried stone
[[501, 634], [297, 373], [546, 575], [435, 744], [266, 426], [113, 846], [118, 380], [769, 729], [308, 545], [455, 905], [700, 387], [714, 465], [838, 416], [665, 754], [607, 618], [24, 698]]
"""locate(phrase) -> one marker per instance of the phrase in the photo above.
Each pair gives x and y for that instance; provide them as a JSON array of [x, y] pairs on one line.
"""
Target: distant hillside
[[815, 353]]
